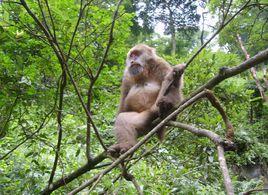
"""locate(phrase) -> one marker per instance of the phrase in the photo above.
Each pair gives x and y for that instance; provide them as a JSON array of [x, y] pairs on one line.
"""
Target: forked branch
[[220, 144]]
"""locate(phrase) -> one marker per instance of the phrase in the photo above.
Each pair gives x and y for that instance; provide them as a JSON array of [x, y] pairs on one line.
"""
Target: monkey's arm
[[171, 90]]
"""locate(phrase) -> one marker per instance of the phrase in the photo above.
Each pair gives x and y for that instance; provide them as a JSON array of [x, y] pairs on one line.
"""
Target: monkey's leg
[[129, 126]]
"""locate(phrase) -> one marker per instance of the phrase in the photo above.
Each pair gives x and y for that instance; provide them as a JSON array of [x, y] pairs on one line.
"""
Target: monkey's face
[[137, 59]]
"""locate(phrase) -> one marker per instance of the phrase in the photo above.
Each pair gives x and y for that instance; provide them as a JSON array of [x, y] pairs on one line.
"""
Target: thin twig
[[61, 57], [81, 12], [10, 112], [253, 71], [51, 19], [42, 125], [59, 120], [216, 33]]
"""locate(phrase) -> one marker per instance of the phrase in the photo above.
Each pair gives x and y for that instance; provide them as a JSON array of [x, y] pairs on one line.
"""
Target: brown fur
[[140, 101]]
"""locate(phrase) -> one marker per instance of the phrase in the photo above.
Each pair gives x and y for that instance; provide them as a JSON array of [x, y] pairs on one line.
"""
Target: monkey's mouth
[[135, 69]]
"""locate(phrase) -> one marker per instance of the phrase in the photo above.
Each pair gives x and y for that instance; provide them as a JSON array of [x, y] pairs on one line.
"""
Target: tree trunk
[[173, 43]]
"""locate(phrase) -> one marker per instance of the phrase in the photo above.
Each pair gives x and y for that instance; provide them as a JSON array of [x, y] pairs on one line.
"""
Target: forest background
[[61, 65]]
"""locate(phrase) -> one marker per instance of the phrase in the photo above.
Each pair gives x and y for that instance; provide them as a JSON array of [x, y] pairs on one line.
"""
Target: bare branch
[[70, 177], [224, 169], [215, 138], [219, 143], [215, 103], [51, 19], [44, 17], [255, 190], [59, 120], [253, 70], [265, 76]]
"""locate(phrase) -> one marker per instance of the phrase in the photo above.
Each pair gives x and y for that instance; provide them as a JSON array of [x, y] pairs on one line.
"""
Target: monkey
[[142, 99]]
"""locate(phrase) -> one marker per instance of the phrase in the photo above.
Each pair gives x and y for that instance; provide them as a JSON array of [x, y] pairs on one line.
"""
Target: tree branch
[[70, 177], [217, 140], [59, 120], [215, 103], [224, 169], [225, 73], [255, 190], [253, 70]]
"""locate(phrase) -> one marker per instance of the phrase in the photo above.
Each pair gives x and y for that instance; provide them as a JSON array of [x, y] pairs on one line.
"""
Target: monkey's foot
[[117, 149]]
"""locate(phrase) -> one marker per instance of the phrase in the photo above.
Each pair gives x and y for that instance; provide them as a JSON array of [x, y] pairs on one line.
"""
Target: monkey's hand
[[117, 149], [165, 105]]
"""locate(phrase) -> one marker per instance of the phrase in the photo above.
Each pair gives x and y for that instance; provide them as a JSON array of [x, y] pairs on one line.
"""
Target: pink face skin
[[134, 57], [134, 63]]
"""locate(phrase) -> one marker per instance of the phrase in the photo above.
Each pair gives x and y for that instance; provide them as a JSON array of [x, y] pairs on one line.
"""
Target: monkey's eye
[[135, 54]]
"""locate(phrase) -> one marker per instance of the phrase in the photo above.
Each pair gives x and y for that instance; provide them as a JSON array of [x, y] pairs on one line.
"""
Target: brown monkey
[[141, 100]]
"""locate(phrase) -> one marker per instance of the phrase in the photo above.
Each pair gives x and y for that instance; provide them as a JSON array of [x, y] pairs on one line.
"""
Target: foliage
[[183, 163]]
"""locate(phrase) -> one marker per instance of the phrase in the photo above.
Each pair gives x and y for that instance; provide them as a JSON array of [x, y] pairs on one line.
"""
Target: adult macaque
[[142, 98]]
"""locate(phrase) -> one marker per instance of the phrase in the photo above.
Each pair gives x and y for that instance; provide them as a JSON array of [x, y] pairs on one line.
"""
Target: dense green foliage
[[184, 163]]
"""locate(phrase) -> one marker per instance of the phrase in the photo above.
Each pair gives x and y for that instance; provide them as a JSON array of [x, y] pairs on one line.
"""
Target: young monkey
[[141, 100]]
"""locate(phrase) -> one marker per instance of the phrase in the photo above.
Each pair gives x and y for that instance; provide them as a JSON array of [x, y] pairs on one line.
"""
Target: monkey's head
[[138, 58]]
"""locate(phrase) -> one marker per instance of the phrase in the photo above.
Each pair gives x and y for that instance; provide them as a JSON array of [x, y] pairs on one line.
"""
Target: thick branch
[[255, 190], [215, 138], [224, 169], [225, 73]]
